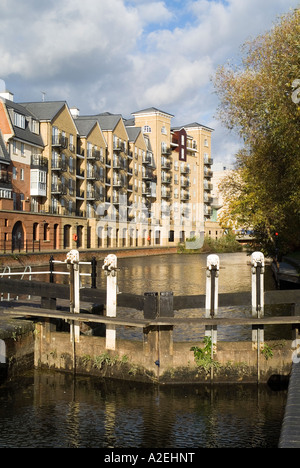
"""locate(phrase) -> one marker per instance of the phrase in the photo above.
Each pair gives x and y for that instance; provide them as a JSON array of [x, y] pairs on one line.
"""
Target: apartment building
[[22, 228], [102, 181], [182, 157]]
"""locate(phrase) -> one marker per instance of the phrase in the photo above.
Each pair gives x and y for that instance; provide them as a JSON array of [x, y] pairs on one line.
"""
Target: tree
[[259, 102]]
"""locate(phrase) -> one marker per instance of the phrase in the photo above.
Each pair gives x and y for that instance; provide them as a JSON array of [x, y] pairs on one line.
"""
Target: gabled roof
[[24, 134], [129, 122], [193, 125], [107, 121], [4, 156], [85, 126], [152, 110], [45, 110], [133, 133]]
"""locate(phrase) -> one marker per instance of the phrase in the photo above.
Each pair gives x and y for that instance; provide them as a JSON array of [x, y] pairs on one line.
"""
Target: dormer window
[[35, 127], [19, 120]]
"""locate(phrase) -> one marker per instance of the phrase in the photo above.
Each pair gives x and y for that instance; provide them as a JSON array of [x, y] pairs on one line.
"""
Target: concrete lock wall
[[159, 359]]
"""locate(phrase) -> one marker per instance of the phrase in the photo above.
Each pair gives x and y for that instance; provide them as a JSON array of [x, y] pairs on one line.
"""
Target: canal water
[[186, 275], [44, 409]]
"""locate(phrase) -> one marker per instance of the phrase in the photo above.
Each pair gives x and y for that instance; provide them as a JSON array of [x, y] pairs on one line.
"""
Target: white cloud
[[122, 55], [153, 12]]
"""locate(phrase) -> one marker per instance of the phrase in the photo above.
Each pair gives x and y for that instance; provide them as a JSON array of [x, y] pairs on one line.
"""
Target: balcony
[[208, 161], [184, 170], [184, 196], [185, 182], [118, 146], [58, 189], [80, 173], [60, 141], [146, 190], [166, 194], [147, 159], [38, 162], [5, 179], [38, 189], [90, 195], [79, 194], [165, 164], [166, 151], [207, 198], [207, 173], [58, 165], [91, 174], [118, 183], [208, 186], [93, 154], [165, 179], [147, 174]]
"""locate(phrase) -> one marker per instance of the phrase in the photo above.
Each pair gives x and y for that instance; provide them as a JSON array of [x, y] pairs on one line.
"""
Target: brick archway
[[18, 236]]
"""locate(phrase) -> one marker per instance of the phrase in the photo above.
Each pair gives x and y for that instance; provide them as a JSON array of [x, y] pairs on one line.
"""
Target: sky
[[122, 56]]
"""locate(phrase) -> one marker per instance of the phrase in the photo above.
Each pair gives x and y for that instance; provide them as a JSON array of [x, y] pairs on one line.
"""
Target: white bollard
[[110, 268], [2, 352], [73, 261], [212, 292], [257, 274]]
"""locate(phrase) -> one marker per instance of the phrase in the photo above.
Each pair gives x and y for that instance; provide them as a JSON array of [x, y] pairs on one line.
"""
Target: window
[[164, 130], [19, 120], [55, 136], [15, 147], [22, 174], [46, 232], [35, 231], [35, 126], [22, 149], [147, 129], [71, 146], [14, 173]]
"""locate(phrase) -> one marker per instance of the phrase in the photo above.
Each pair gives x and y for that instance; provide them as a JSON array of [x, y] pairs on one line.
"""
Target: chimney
[[75, 112], [7, 95]]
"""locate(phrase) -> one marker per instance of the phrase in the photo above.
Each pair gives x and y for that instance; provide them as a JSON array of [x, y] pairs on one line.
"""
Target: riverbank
[[42, 258]]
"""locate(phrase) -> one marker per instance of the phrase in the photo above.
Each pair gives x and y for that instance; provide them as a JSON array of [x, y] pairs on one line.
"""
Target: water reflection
[[182, 274], [54, 410]]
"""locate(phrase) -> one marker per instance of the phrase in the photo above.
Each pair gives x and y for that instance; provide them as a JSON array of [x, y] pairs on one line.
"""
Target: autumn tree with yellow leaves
[[260, 100]]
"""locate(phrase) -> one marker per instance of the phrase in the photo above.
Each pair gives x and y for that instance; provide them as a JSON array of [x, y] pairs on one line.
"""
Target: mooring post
[[110, 268], [212, 291], [73, 263], [257, 270], [49, 302], [150, 344]]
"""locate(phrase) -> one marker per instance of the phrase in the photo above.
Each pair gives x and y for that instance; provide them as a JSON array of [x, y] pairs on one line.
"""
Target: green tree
[[259, 102]]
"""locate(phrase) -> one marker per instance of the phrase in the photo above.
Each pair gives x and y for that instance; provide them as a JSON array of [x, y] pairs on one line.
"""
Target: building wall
[[90, 209]]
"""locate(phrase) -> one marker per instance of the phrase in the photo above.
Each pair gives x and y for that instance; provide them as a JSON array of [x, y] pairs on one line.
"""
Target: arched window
[[35, 231], [46, 232], [147, 129]]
